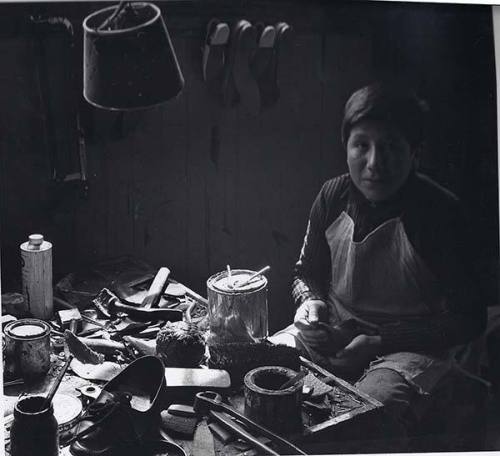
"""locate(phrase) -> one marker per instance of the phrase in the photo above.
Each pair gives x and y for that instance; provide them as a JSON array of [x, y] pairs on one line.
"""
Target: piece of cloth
[[435, 227]]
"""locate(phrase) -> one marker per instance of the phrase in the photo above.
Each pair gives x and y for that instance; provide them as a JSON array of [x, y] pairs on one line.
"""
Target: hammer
[[70, 319]]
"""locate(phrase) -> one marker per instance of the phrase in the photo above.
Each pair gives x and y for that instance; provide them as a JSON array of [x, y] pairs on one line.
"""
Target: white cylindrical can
[[36, 258]]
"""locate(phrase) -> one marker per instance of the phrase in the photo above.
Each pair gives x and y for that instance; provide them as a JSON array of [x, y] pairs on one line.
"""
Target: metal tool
[[110, 305], [239, 431], [55, 385], [94, 322], [210, 401], [141, 314], [70, 319]]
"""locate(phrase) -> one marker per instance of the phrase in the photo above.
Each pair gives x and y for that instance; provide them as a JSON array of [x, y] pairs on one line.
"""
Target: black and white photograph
[[249, 227]]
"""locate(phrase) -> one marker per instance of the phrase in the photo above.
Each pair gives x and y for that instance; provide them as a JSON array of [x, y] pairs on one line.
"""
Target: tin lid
[[27, 328], [236, 282], [66, 410]]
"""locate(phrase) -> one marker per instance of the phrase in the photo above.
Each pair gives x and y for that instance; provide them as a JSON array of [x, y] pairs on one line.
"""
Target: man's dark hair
[[390, 103]]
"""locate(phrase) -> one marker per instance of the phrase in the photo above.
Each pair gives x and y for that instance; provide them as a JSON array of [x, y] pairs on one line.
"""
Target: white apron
[[382, 279]]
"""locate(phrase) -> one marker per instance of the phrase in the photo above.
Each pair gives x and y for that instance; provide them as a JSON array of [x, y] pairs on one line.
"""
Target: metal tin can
[[27, 347], [33, 431], [237, 313], [67, 410], [36, 258]]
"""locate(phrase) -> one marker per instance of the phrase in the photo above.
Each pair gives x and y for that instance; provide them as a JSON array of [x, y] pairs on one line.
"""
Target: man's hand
[[361, 350], [307, 319]]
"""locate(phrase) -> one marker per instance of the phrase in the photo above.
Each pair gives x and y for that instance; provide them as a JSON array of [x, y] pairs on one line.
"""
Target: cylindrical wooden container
[[237, 313], [265, 403], [36, 258], [27, 347]]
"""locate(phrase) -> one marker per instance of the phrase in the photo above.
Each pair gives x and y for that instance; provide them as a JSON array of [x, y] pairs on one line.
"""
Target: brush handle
[[57, 382], [253, 276], [293, 380]]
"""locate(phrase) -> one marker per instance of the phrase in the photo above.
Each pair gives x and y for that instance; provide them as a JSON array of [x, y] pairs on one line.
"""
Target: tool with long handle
[[241, 433], [54, 387], [211, 401], [144, 314], [156, 289]]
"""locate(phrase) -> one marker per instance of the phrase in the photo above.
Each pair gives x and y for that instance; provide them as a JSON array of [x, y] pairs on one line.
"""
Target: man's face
[[379, 159]]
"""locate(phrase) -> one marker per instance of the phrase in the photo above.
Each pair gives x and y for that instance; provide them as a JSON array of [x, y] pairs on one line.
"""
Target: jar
[[34, 431], [27, 347]]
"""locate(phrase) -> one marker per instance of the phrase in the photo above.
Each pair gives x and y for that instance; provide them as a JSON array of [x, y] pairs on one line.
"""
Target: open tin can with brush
[[34, 429], [237, 307], [27, 347]]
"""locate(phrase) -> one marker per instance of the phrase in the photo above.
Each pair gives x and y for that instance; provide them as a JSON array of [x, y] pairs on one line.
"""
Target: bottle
[[34, 431], [36, 258]]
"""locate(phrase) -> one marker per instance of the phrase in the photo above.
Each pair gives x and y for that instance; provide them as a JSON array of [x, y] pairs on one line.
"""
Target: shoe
[[127, 409]]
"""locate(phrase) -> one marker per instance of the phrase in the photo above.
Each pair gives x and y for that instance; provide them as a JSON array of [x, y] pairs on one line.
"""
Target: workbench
[[345, 430]]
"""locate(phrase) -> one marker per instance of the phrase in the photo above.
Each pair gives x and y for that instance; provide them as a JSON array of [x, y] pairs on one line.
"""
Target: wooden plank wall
[[197, 186], [191, 184]]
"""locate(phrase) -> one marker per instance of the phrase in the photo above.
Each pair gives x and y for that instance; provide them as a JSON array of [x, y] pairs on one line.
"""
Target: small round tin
[[67, 410], [27, 347]]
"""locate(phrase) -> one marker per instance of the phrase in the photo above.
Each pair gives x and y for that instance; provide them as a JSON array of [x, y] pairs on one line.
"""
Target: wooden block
[[201, 378], [180, 425]]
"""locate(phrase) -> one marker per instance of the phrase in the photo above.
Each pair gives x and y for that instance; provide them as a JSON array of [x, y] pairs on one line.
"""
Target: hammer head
[[70, 318]]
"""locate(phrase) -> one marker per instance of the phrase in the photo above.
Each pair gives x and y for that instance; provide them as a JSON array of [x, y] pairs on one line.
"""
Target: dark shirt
[[437, 229]]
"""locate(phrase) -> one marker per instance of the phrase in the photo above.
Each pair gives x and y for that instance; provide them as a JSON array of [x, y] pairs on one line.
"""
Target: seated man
[[383, 289]]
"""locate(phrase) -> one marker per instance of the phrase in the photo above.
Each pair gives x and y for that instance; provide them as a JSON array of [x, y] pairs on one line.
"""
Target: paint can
[[27, 347], [36, 259], [237, 313], [267, 404]]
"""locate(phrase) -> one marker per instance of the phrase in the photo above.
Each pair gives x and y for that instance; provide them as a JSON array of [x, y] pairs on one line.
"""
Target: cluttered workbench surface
[[132, 359]]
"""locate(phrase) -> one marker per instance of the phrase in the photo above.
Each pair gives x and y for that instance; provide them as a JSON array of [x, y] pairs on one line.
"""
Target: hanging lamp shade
[[129, 61]]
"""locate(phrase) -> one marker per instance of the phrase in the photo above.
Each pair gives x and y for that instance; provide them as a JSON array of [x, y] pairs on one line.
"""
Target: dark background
[[193, 185]]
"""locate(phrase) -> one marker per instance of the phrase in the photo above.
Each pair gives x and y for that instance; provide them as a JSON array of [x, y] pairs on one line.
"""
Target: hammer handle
[[73, 326], [156, 289], [141, 314]]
